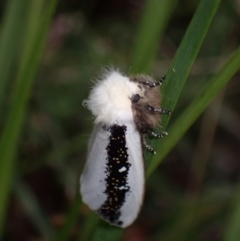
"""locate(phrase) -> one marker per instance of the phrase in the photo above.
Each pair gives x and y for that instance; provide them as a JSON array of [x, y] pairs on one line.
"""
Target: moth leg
[[154, 84], [159, 110], [160, 135], [149, 148]]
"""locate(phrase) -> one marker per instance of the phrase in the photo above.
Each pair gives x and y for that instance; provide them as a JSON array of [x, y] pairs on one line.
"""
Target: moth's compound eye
[[135, 98]]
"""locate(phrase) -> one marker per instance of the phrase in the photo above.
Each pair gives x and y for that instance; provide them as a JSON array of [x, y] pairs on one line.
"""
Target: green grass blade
[[33, 44], [107, 233], [187, 52], [71, 219], [33, 210], [199, 104], [153, 23], [10, 34], [92, 220], [183, 62], [233, 232]]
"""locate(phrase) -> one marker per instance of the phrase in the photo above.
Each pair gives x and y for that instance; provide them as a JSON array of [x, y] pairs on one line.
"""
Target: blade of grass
[[33, 210], [33, 44], [71, 219], [209, 207], [186, 54], [232, 232], [89, 225], [198, 105], [107, 233], [154, 20], [10, 34], [182, 64]]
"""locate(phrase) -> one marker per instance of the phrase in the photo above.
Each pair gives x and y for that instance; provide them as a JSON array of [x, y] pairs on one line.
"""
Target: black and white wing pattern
[[112, 182]]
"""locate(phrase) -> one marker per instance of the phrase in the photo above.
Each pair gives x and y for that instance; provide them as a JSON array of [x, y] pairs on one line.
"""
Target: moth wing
[[92, 179], [136, 177]]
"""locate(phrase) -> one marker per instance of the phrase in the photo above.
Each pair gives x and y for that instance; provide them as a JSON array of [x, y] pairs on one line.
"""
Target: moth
[[126, 109]]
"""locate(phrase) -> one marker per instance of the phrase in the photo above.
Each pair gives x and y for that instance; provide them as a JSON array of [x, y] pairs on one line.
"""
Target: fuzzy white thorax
[[110, 99]]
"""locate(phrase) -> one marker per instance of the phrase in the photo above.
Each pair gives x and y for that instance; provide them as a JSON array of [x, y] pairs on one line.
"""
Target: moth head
[[144, 98]]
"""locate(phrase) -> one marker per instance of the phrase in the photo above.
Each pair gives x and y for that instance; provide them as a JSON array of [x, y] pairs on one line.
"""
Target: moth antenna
[[154, 84], [159, 110], [149, 148], [160, 135]]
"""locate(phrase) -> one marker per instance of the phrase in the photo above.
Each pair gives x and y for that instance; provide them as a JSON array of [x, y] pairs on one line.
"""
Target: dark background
[[197, 179]]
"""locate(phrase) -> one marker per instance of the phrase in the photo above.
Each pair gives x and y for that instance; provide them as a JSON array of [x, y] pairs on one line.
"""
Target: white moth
[[125, 109]]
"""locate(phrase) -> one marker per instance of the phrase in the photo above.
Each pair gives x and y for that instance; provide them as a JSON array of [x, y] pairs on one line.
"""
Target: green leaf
[[233, 232], [35, 33], [199, 104], [33, 210], [107, 233], [71, 218], [89, 225], [181, 66], [13, 21], [155, 18]]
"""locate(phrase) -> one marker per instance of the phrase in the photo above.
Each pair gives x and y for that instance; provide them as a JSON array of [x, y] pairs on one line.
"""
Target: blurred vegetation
[[50, 51]]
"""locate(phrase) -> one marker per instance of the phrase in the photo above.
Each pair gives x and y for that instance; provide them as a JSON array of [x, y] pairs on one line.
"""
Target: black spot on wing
[[117, 168]]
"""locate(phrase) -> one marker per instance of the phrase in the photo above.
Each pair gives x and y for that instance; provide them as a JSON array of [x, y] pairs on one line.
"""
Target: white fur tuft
[[109, 100]]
